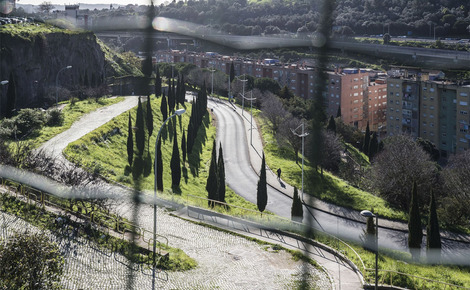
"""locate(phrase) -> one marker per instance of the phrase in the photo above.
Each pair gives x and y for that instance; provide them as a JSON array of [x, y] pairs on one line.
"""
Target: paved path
[[86, 124], [215, 257]]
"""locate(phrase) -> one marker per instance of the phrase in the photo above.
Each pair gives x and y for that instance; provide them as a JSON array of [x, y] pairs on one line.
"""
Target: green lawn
[[329, 188], [71, 113]]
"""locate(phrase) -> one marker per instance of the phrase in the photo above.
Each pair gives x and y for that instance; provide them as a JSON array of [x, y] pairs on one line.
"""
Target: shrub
[[55, 118], [30, 261]]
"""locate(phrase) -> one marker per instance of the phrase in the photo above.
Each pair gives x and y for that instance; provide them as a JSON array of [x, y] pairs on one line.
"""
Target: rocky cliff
[[34, 57]]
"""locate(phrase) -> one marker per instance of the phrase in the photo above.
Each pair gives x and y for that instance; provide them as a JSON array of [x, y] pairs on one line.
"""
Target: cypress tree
[[164, 107], [212, 182], [365, 145], [331, 125], [297, 211], [11, 97], [373, 146], [149, 119], [171, 98], [183, 91], [415, 232], [140, 133], [190, 139], [130, 142], [183, 147], [158, 84], [175, 164], [433, 241], [221, 176], [262, 190], [338, 113], [159, 166]]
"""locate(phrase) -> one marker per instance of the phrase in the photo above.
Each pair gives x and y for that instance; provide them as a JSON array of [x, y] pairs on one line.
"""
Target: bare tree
[[46, 6], [401, 163], [331, 151], [274, 112], [456, 183], [285, 136]]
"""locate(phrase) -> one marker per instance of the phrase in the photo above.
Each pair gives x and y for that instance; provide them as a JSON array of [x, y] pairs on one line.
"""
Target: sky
[[118, 2]]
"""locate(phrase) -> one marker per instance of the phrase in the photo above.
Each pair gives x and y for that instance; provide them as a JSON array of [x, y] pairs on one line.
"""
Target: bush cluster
[[28, 122]]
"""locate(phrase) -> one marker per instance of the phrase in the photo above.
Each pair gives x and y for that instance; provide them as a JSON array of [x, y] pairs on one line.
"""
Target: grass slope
[[102, 151]]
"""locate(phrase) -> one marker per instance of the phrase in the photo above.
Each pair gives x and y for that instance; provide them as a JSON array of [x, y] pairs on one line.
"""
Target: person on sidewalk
[[279, 173]]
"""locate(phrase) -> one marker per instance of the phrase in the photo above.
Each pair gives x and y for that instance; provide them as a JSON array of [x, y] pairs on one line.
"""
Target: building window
[[463, 103], [463, 112]]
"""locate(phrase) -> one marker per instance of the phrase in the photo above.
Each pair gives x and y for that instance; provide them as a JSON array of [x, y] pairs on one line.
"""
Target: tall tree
[[433, 241], [262, 190], [297, 211], [183, 147], [373, 146], [398, 165], [221, 176], [158, 84], [149, 119], [159, 162], [11, 97], [415, 231], [212, 181], [164, 107], [331, 125], [140, 131], [130, 142], [175, 164], [46, 7], [365, 144], [338, 113]]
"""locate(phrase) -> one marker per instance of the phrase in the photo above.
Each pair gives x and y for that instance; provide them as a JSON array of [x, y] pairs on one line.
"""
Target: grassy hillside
[[106, 153]]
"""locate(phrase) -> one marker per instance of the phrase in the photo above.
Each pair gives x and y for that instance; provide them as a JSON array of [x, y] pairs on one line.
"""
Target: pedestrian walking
[[279, 173]]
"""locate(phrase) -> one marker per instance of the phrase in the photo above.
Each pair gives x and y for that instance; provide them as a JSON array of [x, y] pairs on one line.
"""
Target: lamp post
[[251, 110], [368, 214], [177, 113], [244, 80], [57, 84], [303, 135], [212, 81]]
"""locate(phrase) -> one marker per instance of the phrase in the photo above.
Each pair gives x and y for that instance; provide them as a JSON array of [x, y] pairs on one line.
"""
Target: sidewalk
[[342, 273], [256, 150]]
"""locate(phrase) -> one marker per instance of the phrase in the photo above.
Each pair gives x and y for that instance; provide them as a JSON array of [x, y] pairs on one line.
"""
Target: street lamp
[[251, 111], [212, 81], [57, 84], [177, 113], [303, 135], [368, 214], [244, 80]]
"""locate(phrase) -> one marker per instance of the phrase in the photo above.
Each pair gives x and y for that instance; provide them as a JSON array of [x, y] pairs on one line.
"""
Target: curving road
[[243, 161]]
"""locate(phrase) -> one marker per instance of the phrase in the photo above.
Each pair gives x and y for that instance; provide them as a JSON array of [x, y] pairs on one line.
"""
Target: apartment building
[[348, 88], [434, 110], [377, 105]]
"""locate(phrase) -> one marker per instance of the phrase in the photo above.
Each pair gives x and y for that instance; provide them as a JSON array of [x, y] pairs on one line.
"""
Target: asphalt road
[[242, 178]]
